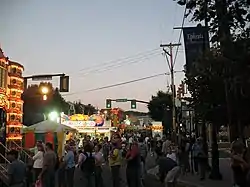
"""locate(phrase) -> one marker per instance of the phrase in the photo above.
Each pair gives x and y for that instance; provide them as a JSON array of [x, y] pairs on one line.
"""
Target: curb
[[187, 184]]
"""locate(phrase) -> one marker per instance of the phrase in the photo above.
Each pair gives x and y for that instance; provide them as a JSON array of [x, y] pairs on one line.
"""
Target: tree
[[160, 109], [224, 71], [36, 109], [227, 19], [88, 109], [79, 107], [135, 113]]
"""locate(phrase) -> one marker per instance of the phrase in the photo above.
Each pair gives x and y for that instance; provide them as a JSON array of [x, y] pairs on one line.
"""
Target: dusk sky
[[97, 43]]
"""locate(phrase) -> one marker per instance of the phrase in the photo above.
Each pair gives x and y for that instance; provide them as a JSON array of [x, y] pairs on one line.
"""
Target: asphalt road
[[107, 178]]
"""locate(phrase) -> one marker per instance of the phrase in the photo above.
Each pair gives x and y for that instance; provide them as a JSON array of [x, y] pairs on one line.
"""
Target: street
[[107, 178]]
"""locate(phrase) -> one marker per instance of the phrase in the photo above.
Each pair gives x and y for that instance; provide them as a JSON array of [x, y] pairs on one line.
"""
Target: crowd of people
[[130, 150], [49, 170]]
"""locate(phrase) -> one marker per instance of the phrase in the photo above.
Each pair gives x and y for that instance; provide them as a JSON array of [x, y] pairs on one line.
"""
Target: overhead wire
[[179, 40], [111, 67], [119, 84], [122, 83], [118, 60]]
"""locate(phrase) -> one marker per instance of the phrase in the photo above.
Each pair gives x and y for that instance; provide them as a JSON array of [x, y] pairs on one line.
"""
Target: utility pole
[[170, 63]]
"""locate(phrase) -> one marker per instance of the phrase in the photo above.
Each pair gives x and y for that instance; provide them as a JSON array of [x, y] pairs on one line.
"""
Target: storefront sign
[[75, 124]]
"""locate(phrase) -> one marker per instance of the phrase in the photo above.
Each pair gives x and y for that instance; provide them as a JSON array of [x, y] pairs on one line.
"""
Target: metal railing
[[3, 166], [24, 156]]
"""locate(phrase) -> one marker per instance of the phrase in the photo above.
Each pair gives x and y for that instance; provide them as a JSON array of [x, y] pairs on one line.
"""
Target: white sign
[[75, 124]]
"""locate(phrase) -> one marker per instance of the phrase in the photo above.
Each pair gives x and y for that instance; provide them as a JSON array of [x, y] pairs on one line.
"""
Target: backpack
[[88, 166]]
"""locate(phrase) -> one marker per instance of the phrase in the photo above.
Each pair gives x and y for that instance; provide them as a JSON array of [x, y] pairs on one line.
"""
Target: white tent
[[48, 126]]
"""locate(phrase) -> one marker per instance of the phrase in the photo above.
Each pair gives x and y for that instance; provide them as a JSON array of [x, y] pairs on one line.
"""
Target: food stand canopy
[[47, 126]]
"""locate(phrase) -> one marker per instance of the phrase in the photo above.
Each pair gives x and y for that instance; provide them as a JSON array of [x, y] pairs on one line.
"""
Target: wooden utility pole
[[170, 62]]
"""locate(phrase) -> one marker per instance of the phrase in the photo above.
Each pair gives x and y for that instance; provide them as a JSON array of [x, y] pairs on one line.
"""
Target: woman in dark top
[[133, 166]]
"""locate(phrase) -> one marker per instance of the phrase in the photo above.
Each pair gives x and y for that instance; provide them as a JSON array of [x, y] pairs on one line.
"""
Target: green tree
[[89, 109], [81, 108], [35, 109], [217, 80], [160, 109]]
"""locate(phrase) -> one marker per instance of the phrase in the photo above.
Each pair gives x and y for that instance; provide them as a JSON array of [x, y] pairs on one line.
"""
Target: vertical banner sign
[[196, 41]]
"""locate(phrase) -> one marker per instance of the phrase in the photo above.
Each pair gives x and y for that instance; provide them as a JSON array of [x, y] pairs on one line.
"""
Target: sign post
[[121, 100]]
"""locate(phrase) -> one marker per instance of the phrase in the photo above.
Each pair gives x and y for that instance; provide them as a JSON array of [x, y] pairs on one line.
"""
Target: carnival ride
[[11, 104]]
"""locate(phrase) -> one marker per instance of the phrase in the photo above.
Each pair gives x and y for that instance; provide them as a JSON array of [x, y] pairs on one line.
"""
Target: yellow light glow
[[45, 90], [14, 138], [45, 97]]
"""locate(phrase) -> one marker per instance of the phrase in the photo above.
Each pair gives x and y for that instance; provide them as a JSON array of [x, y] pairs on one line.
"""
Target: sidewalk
[[191, 180]]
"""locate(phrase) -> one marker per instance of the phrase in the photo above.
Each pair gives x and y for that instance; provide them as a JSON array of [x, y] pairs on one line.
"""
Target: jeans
[[48, 178], [36, 172], [202, 167], [133, 176], [98, 177], [196, 164], [88, 180], [69, 176], [115, 170]]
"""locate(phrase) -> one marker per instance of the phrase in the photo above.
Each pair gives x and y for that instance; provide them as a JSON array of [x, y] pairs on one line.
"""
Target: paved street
[[150, 181], [225, 171]]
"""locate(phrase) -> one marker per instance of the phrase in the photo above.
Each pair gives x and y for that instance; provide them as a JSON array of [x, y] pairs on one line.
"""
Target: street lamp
[[53, 116], [45, 90]]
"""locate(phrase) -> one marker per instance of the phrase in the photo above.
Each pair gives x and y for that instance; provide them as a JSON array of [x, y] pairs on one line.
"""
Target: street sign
[[121, 100], [41, 77]]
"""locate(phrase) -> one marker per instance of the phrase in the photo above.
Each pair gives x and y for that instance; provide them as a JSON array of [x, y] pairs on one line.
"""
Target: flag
[[196, 41]]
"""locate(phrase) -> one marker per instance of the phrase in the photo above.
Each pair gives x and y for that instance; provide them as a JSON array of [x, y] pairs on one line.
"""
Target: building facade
[[11, 104]]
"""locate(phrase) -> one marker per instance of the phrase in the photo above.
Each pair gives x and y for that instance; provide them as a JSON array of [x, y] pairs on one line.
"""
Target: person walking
[[38, 161], [47, 176], [143, 153], [87, 166], [169, 171], [69, 162], [16, 170], [133, 172], [240, 163], [115, 162], [106, 149], [98, 166]]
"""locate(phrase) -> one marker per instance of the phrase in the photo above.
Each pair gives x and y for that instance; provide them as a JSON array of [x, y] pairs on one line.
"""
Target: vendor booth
[[47, 131], [93, 125]]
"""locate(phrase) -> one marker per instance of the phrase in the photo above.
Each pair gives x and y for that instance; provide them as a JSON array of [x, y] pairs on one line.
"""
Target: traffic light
[[108, 103], [179, 93], [182, 88], [45, 97], [64, 84], [133, 104]]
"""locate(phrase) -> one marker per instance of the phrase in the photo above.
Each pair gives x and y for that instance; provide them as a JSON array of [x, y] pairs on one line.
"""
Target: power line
[[119, 60], [122, 83], [119, 84], [128, 82], [108, 68], [179, 40]]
